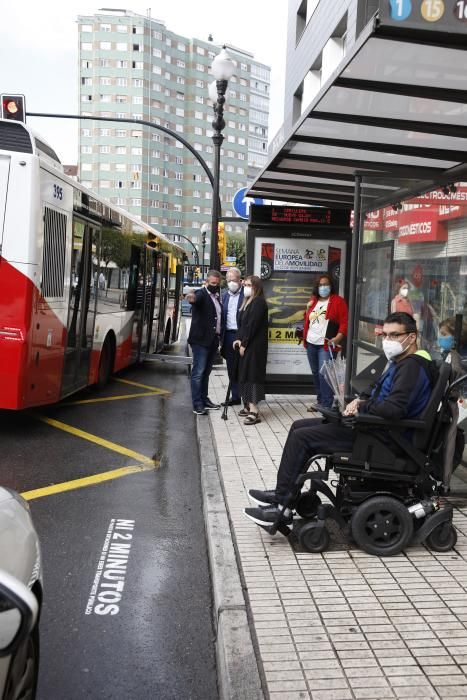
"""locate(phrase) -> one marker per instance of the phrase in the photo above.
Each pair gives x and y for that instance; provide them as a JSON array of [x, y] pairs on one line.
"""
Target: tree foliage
[[236, 248]]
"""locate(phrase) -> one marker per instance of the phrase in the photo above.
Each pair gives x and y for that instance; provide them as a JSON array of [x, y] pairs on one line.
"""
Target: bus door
[[150, 270], [160, 300], [81, 310]]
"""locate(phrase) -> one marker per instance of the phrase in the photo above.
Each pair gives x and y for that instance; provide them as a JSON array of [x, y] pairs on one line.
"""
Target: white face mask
[[247, 291], [393, 348], [233, 287], [404, 292]]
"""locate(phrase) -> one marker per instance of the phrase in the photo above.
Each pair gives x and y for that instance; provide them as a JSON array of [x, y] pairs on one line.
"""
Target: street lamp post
[[204, 230], [222, 69]]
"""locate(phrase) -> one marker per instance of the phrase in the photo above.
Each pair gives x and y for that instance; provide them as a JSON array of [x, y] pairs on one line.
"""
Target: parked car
[[20, 598]]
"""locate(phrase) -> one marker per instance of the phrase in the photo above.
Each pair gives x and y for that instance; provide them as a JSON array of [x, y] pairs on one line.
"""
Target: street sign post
[[241, 203]]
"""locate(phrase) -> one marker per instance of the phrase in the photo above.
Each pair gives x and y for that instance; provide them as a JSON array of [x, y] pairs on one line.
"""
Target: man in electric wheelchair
[[387, 455]]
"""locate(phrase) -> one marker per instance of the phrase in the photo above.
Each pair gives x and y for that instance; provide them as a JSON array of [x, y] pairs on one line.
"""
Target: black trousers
[[229, 354], [306, 438]]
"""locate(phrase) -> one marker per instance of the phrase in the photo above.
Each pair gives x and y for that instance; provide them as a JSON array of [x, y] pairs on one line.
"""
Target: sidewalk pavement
[[342, 624]]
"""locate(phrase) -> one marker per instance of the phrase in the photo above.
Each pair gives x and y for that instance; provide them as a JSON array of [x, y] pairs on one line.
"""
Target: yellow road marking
[[154, 389], [86, 481], [97, 440], [120, 397]]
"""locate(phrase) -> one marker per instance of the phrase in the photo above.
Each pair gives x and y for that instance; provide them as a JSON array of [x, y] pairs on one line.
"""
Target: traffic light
[[14, 107], [221, 242], [152, 241]]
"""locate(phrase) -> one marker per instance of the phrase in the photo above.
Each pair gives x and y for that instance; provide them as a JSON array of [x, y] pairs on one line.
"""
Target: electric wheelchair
[[388, 489]]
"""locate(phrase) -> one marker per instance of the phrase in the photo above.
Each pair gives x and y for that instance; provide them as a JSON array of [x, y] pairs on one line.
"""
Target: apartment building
[[133, 66]]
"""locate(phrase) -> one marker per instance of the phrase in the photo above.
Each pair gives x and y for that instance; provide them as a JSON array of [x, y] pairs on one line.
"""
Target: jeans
[[316, 356], [203, 357], [228, 353], [306, 438]]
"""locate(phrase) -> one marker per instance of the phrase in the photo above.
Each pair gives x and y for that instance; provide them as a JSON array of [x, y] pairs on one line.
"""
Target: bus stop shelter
[[389, 124]]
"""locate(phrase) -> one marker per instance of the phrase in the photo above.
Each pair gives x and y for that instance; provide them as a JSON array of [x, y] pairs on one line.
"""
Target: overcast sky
[[39, 50]]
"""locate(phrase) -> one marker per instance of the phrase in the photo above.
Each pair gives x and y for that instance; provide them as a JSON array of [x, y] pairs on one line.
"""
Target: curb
[[238, 675]]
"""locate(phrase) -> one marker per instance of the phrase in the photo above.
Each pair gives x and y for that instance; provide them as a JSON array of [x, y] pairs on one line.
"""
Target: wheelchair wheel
[[382, 525], [307, 505], [442, 538], [314, 538]]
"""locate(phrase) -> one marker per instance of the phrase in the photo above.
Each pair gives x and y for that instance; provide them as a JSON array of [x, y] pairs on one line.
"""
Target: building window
[[122, 46], [86, 46], [120, 167], [122, 64], [104, 149], [86, 27], [200, 67], [199, 99], [122, 29], [104, 166], [180, 63], [157, 35], [122, 82], [105, 45], [86, 167], [136, 151], [86, 64], [137, 47], [104, 132], [137, 99], [121, 133], [138, 65], [154, 187], [121, 99]]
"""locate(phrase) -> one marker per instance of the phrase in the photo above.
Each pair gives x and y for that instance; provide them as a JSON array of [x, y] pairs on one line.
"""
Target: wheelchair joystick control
[[420, 510]]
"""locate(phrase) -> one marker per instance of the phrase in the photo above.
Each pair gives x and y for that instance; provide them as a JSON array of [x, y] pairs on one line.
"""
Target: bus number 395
[[58, 192]]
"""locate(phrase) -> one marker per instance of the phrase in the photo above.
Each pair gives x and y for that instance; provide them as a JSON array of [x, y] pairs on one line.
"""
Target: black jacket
[[403, 390], [203, 319], [253, 333]]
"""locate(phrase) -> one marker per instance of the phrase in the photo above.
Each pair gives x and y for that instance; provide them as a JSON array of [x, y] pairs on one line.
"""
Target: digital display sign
[[299, 216]]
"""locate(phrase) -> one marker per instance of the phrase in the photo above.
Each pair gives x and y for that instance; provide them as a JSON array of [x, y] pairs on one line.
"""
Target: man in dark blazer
[[204, 335], [232, 300]]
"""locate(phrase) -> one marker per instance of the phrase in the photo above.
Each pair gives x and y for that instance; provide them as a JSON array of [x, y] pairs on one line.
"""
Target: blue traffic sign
[[241, 203]]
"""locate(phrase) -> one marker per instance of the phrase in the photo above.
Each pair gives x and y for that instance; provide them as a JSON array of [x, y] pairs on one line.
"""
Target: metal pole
[[353, 284], [140, 122], [218, 124], [195, 250], [203, 243]]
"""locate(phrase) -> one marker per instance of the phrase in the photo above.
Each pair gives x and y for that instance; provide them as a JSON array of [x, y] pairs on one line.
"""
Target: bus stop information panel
[[288, 247]]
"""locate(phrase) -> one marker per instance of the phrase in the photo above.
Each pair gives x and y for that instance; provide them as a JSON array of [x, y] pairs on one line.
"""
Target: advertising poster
[[288, 267]]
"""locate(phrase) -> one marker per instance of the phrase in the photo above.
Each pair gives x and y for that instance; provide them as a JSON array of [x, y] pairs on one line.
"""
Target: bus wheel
[[105, 363]]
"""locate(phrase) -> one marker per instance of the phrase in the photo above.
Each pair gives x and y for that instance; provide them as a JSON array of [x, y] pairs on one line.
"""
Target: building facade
[[132, 66]]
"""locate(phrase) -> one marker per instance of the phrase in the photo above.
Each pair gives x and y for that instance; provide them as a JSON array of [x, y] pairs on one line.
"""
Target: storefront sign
[[390, 219], [421, 225], [373, 220]]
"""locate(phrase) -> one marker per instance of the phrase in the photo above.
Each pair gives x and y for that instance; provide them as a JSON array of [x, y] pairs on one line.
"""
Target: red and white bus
[[85, 288]]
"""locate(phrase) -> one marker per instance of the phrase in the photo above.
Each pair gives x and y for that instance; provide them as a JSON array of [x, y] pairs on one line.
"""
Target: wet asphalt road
[[145, 631]]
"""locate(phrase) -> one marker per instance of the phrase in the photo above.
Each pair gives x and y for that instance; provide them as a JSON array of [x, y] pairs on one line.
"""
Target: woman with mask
[[446, 342], [401, 301], [252, 343], [325, 328]]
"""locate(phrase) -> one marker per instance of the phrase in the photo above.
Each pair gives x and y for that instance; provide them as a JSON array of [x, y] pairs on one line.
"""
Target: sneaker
[[210, 406], [268, 516], [262, 498], [200, 411]]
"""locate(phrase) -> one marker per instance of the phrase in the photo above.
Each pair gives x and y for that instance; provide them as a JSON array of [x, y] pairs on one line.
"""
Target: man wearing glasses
[[402, 391]]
